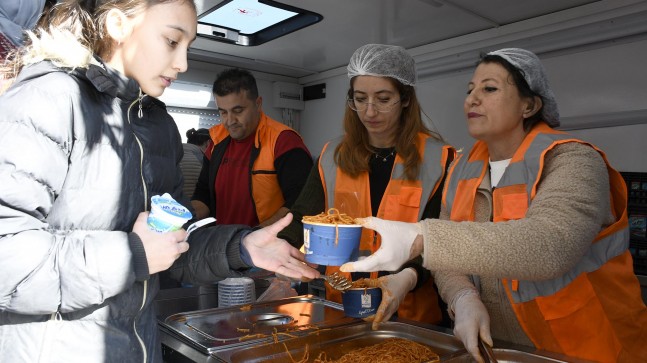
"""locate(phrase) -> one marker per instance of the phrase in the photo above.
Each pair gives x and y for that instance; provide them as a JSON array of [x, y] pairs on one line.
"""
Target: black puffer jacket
[[77, 165]]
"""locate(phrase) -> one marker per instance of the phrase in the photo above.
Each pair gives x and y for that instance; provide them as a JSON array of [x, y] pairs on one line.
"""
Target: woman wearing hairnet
[[531, 245], [387, 164]]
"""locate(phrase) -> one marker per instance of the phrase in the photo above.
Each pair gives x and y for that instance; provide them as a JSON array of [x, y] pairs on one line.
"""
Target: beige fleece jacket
[[571, 206]]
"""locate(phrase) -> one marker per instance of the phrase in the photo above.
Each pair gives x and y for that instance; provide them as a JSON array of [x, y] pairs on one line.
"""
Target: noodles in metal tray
[[392, 350]]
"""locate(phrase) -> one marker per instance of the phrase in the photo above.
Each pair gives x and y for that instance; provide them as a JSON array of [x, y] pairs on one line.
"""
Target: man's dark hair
[[235, 80]]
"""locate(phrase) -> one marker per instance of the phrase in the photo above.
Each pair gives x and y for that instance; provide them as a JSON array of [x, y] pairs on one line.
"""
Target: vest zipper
[[140, 114]]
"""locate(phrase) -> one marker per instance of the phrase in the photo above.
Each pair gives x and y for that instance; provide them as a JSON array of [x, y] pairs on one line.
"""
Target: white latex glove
[[394, 288], [162, 249], [274, 254], [471, 319], [395, 250]]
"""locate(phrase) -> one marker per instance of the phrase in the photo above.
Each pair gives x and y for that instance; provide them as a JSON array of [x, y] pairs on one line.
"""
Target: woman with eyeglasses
[[387, 164], [531, 247]]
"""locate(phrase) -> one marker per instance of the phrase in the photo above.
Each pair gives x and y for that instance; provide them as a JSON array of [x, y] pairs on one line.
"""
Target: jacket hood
[[61, 51], [61, 47], [104, 78]]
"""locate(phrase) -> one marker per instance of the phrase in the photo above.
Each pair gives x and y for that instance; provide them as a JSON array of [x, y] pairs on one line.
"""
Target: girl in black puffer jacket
[[84, 144]]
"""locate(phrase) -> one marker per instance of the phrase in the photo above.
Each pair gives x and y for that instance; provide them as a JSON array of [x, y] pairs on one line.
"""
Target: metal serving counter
[[284, 330], [338, 341], [214, 330]]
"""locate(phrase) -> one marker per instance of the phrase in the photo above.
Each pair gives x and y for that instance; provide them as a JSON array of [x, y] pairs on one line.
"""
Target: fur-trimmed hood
[[60, 47]]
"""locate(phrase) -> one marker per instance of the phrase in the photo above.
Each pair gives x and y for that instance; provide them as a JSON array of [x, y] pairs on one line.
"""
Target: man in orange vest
[[256, 166], [533, 248]]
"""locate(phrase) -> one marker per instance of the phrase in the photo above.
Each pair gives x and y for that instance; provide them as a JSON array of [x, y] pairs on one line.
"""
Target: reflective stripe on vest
[[411, 197], [524, 169], [430, 173], [594, 311], [600, 252], [468, 170]]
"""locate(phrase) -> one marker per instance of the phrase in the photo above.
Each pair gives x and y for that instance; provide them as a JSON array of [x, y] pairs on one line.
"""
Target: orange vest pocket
[[578, 321], [403, 206], [262, 186], [510, 207]]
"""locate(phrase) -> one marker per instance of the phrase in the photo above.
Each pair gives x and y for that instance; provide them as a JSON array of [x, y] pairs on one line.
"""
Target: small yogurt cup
[[166, 214]]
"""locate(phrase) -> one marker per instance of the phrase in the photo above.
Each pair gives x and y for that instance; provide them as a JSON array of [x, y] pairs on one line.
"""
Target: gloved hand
[[471, 320], [394, 288], [396, 248]]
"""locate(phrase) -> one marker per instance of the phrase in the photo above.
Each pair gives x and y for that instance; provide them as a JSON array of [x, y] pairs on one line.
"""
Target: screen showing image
[[246, 16]]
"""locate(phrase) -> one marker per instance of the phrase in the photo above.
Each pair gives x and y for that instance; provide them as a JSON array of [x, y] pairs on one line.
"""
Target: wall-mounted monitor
[[253, 22]]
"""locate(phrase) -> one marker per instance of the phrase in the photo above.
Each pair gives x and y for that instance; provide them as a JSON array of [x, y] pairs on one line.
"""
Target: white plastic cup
[[236, 291], [166, 214]]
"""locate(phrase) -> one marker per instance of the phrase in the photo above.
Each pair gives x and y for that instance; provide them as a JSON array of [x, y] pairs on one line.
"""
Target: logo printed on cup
[[166, 214], [366, 301]]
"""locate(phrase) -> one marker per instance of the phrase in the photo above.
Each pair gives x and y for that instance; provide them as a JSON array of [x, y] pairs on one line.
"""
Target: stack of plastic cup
[[236, 291]]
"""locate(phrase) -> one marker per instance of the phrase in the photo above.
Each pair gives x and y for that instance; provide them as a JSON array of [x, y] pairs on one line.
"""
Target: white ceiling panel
[[348, 24]]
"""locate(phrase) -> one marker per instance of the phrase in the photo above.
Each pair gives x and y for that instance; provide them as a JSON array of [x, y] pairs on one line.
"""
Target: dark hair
[[197, 137], [519, 80], [235, 80]]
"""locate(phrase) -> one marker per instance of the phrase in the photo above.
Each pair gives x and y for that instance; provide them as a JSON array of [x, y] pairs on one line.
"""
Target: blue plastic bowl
[[361, 302], [320, 245]]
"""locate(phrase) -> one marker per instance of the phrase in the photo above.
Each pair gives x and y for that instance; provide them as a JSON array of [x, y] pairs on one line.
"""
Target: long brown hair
[[78, 26], [354, 152]]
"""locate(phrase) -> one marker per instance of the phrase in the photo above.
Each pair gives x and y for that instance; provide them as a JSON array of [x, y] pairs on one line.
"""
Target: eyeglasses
[[361, 105]]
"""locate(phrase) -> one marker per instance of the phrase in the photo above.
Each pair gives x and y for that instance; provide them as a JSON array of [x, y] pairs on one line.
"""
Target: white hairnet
[[383, 61], [533, 72]]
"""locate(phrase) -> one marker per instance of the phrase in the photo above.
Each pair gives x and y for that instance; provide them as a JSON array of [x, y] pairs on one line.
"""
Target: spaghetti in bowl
[[331, 238]]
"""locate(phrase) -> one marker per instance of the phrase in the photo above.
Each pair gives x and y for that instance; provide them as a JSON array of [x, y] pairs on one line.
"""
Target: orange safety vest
[[403, 200], [595, 310], [266, 191]]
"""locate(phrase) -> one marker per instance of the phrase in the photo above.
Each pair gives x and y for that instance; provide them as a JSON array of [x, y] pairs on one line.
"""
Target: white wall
[[204, 73], [594, 81], [321, 120]]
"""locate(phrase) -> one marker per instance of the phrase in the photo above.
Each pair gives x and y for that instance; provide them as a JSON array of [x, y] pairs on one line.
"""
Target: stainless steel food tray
[[338, 341], [214, 329], [516, 356]]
